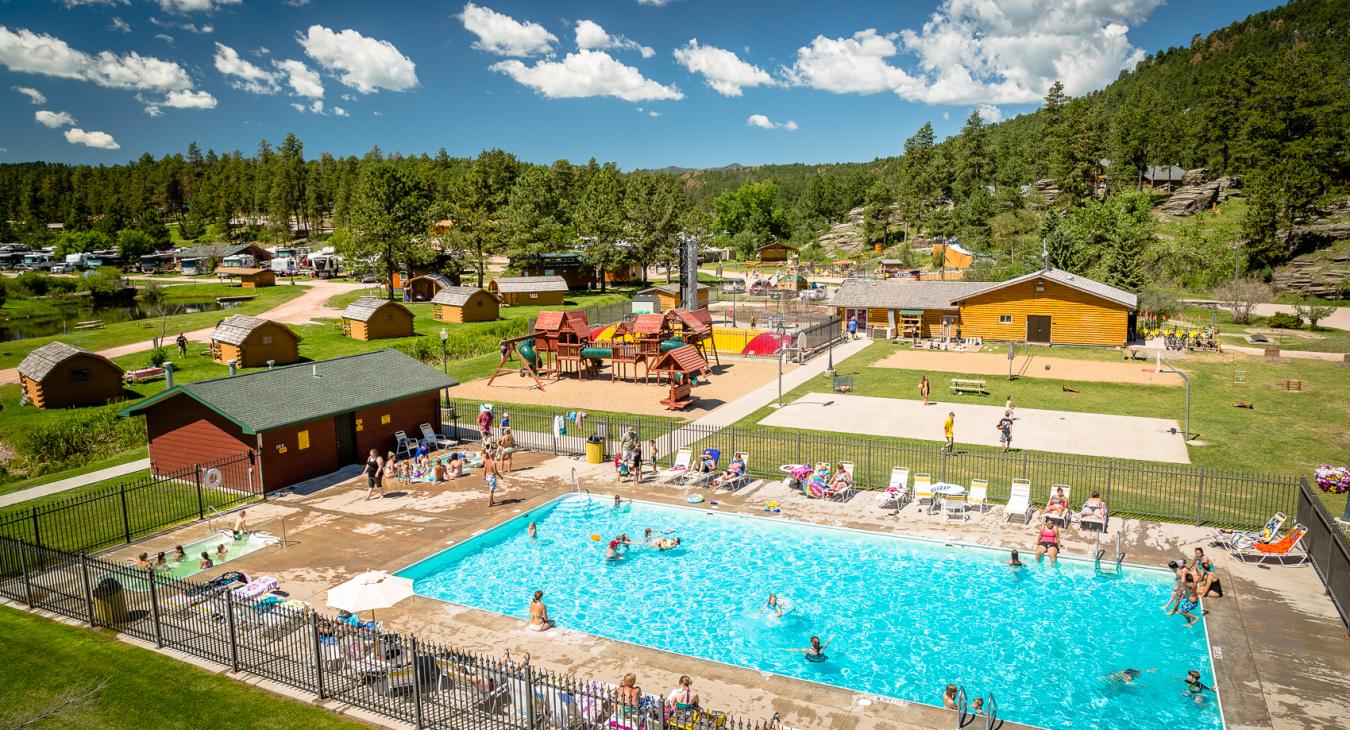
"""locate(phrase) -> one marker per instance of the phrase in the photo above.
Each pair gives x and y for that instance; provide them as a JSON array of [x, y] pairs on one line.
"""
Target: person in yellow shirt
[[948, 431]]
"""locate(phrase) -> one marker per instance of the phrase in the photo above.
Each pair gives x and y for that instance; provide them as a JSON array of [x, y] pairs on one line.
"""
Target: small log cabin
[[251, 342], [460, 304], [372, 318], [774, 253], [302, 421], [58, 375], [250, 278], [516, 291], [668, 296], [1045, 307], [424, 288]]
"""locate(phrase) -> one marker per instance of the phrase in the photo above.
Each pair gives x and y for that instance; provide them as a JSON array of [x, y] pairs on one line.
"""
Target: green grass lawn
[[42, 660], [122, 458], [122, 333]]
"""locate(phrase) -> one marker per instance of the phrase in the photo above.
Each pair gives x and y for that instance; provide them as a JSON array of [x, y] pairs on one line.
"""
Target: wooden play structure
[[695, 327], [680, 367]]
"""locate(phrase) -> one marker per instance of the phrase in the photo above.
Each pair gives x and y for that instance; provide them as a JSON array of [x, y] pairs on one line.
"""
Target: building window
[[267, 339], [78, 375], [1005, 319], [1040, 286], [534, 295]]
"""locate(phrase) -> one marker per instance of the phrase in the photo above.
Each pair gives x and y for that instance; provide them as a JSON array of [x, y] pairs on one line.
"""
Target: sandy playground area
[[1068, 432], [733, 378], [1029, 366]]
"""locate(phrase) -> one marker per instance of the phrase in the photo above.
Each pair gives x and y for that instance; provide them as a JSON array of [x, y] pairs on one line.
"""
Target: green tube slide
[[671, 344], [597, 353], [526, 350]]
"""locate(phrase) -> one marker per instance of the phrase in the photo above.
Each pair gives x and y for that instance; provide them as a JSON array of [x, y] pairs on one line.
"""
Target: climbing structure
[[521, 348], [695, 327], [681, 366], [566, 334]]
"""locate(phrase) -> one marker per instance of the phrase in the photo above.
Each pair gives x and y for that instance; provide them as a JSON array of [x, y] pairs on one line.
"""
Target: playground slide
[[526, 350], [605, 353]]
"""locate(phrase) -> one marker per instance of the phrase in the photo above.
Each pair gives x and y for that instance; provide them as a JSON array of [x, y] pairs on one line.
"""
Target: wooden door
[[345, 424], [1038, 328]]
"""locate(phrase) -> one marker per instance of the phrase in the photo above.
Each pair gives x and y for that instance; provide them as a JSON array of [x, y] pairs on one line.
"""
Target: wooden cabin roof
[[40, 362], [455, 296], [236, 328], [648, 324], [697, 320], [364, 308], [556, 320], [522, 284], [231, 271]]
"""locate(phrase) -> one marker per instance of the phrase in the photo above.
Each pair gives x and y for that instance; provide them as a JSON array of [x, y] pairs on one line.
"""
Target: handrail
[[991, 713], [279, 520], [960, 706], [211, 521]]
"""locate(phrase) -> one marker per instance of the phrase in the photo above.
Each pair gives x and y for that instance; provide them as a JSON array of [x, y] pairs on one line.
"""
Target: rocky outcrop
[[1324, 273], [845, 237], [1191, 199], [1045, 191], [1198, 176]]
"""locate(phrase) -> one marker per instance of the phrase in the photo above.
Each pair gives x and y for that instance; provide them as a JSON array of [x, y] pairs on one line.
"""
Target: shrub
[[1283, 321], [38, 284], [106, 283], [158, 357], [48, 447]]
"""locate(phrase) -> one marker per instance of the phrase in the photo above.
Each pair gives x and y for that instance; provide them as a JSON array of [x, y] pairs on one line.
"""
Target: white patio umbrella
[[369, 591]]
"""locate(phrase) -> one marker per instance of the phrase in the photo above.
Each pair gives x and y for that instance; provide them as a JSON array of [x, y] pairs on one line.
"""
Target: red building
[[302, 421]]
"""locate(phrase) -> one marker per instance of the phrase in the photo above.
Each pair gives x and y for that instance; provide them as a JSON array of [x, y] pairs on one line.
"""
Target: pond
[[76, 312]]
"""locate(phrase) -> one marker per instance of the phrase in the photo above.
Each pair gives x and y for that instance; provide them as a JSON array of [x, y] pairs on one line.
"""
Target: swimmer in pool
[[179, 554], [647, 535], [664, 544], [612, 551], [221, 552], [772, 605], [1014, 560], [1125, 676], [817, 651], [532, 530], [205, 561], [1195, 688]]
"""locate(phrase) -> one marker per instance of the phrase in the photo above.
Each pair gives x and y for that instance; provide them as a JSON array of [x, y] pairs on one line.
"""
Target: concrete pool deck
[[1067, 432], [1281, 654]]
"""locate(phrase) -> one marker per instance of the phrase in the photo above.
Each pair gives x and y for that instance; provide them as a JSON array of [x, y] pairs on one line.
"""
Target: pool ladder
[[965, 719], [1120, 555]]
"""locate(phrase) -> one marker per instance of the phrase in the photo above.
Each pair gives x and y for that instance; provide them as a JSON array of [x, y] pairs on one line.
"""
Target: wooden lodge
[[1049, 307], [774, 253], [58, 375], [250, 278], [460, 304], [251, 342], [301, 421], [516, 291], [372, 318], [668, 296]]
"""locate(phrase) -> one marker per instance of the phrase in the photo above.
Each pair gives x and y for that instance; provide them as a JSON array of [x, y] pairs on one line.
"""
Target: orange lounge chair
[[1278, 549]]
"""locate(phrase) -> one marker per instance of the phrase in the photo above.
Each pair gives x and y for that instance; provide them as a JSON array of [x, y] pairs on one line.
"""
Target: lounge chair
[[699, 478], [1096, 520], [897, 489], [683, 458], [1019, 501], [1067, 515], [954, 506], [923, 488], [978, 494], [1238, 540], [1278, 549], [430, 436], [404, 447], [844, 494], [736, 482]]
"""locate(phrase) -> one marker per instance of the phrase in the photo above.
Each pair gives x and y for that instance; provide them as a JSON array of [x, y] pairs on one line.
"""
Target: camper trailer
[[239, 261]]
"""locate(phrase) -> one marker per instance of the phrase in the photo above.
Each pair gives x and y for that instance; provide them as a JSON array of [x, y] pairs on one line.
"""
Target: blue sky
[[645, 83]]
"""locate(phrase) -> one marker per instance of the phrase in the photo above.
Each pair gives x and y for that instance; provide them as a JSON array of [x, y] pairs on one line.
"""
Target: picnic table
[[136, 376], [961, 386]]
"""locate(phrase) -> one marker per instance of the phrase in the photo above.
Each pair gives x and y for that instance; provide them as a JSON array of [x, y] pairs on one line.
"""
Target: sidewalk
[[768, 393], [73, 482]]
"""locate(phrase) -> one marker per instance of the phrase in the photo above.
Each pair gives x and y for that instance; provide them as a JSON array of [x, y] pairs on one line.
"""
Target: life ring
[[694, 499], [213, 478]]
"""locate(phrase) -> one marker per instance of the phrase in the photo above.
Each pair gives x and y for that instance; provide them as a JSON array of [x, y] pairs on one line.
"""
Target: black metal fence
[[1327, 547], [1169, 492], [423, 683], [116, 515]]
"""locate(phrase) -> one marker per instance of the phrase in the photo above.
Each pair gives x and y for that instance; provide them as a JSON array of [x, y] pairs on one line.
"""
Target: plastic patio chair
[[979, 494]]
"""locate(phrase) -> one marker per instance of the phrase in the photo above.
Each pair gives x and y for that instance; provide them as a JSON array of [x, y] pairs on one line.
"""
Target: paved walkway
[[768, 393], [1340, 319], [1066, 432], [73, 482]]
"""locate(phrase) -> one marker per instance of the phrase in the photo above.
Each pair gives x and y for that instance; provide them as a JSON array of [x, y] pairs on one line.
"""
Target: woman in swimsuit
[[1094, 506], [1048, 541], [508, 447], [629, 697], [539, 620], [374, 467], [816, 653], [1058, 505], [205, 562], [179, 554], [684, 697], [161, 561]]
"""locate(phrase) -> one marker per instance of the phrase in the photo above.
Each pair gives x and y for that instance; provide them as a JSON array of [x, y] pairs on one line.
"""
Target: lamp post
[[1186, 436], [445, 365]]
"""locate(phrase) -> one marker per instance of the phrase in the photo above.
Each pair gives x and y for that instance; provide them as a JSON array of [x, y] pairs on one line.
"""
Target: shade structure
[[371, 590]]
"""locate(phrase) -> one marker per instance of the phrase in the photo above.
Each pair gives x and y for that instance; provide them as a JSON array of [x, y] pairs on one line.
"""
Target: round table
[[942, 490]]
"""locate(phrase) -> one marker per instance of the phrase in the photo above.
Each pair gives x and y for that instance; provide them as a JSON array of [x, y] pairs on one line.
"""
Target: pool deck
[[1281, 654]]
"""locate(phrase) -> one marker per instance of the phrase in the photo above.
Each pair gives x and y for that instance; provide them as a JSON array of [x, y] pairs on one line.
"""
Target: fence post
[[943, 475], [318, 654], [154, 608], [1200, 496], [1109, 466], [1025, 459], [234, 637], [201, 504], [126, 518], [417, 688], [799, 448], [88, 593], [529, 697], [23, 565], [37, 533]]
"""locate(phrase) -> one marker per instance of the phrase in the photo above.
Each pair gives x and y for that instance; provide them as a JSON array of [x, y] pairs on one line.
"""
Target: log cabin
[[251, 342], [372, 318], [58, 375], [460, 304]]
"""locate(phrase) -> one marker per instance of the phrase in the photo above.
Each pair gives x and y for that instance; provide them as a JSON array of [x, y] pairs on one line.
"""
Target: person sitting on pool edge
[[1210, 587], [816, 653], [539, 620], [1048, 541]]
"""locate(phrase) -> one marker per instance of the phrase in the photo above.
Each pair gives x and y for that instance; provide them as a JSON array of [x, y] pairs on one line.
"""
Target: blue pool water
[[907, 616]]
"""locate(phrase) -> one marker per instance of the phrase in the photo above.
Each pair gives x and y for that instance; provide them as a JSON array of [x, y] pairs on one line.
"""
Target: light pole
[[1186, 436], [445, 364]]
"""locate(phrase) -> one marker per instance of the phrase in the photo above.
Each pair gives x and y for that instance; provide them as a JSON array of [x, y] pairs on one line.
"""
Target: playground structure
[[681, 367]]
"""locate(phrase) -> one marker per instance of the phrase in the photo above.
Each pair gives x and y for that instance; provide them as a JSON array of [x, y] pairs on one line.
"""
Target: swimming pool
[[907, 616], [233, 549]]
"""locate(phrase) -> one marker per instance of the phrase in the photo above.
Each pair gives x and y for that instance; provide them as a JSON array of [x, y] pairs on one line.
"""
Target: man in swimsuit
[[1190, 598]]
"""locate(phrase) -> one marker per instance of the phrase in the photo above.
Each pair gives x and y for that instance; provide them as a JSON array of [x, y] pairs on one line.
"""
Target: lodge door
[[1038, 328], [346, 438]]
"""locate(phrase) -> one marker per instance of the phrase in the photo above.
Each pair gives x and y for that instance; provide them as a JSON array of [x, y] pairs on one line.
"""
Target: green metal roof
[[266, 400]]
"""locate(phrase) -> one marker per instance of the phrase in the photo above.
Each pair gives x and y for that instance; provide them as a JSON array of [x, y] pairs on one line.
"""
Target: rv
[[36, 260], [285, 266], [324, 265], [96, 259], [239, 261], [155, 263]]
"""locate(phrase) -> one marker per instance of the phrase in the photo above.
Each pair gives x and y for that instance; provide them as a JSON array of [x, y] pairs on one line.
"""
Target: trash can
[[110, 603], [595, 450]]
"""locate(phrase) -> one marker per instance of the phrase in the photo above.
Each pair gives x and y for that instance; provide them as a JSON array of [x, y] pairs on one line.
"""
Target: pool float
[[694, 499], [595, 538], [770, 504]]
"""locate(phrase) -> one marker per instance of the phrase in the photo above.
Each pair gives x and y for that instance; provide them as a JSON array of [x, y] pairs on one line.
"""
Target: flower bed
[[1333, 479]]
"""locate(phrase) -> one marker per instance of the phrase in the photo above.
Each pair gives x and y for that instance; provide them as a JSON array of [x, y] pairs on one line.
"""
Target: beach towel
[[255, 588]]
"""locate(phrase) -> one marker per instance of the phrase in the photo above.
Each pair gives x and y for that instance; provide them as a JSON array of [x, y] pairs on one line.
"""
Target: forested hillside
[[1266, 99]]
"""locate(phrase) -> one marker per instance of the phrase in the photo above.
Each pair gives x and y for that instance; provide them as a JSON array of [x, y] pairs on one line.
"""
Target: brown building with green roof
[[302, 421]]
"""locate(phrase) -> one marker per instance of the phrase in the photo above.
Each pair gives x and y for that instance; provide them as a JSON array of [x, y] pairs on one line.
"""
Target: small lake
[[76, 312]]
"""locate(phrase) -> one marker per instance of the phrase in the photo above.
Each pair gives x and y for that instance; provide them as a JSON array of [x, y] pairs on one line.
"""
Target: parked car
[[812, 295], [735, 286]]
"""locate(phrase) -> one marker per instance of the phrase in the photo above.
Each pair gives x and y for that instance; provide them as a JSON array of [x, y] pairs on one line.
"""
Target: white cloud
[[340, 112], [98, 140], [33, 95], [504, 35], [165, 37], [303, 80], [592, 37], [189, 100], [191, 6], [39, 53], [763, 122], [725, 72], [203, 29], [653, 114], [586, 74], [983, 52], [297, 3], [654, 3], [990, 113], [76, 3], [315, 107], [153, 111], [247, 77], [298, 107], [364, 64], [120, 25], [54, 120]]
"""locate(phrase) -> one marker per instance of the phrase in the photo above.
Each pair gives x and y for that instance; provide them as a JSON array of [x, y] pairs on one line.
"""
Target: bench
[[961, 386], [136, 376]]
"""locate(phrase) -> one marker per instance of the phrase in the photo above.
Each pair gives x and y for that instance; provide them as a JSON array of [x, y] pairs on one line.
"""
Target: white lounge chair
[[1019, 500], [923, 488], [897, 489], [734, 483], [1067, 515], [404, 446], [683, 458], [1239, 540], [954, 506], [843, 495], [430, 436], [979, 493], [1279, 549]]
